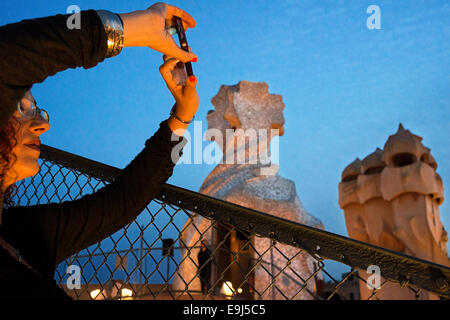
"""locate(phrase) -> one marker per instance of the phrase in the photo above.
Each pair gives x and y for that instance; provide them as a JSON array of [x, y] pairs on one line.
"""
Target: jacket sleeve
[[71, 226], [32, 50]]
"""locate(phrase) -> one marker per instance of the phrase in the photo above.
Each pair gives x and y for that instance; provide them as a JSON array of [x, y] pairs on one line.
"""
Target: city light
[[227, 288], [126, 293], [95, 293]]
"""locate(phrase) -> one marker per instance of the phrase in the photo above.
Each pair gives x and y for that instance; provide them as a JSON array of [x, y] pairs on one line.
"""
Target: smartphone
[[183, 43]]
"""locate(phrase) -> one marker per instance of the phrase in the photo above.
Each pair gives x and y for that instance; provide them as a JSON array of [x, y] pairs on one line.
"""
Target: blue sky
[[346, 88]]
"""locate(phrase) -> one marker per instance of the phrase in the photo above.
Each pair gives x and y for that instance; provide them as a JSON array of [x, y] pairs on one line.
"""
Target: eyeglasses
[[30, 110]]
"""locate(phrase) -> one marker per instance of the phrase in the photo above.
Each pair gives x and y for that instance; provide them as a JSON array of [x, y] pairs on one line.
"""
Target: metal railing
[[250, 254]]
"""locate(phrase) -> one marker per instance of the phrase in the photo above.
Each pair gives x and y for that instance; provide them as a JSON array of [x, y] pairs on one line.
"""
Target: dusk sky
[[346, 88]]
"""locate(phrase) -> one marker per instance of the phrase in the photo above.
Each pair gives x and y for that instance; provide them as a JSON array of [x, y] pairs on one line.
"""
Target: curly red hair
[[7, 156]]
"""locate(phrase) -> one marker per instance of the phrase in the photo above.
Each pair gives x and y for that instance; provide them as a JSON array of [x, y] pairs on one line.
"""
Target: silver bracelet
[[172, 113], [114, 32]]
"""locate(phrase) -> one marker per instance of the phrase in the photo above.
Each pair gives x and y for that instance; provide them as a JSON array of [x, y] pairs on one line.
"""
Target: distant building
[[349, 290]]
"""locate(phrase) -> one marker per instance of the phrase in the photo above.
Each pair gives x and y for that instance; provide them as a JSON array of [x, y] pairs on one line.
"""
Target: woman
[[35, 239]]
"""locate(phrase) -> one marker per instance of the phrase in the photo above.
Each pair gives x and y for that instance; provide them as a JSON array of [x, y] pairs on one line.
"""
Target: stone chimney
[[253, 183], [393, 202]]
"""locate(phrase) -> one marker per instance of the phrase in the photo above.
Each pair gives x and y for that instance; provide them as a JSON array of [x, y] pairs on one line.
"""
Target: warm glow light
[[126, 293], [95, 293], [227, 288], [239, 290]]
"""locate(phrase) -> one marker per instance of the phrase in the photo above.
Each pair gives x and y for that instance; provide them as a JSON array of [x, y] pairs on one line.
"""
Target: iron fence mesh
[[246, 255]]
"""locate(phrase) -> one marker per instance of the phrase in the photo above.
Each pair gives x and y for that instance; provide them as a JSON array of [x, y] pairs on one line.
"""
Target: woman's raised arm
[[32, 50]]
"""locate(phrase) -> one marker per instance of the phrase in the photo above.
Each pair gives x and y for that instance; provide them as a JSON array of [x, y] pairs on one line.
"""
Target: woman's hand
[[183, 90], [147, 28]]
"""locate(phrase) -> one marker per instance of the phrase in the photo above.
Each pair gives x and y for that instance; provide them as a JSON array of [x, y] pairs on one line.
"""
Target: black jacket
[[46, 235]]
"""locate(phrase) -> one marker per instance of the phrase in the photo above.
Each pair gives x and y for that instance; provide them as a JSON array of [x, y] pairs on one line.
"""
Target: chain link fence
[[186, 245]]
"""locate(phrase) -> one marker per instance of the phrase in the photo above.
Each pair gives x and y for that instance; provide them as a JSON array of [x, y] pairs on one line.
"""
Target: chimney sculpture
[[391, 199], [241, 110]]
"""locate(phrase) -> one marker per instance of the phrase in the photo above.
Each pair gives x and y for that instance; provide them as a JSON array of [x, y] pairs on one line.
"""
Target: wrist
[[133, 35], [176, 126], [183, 117]]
